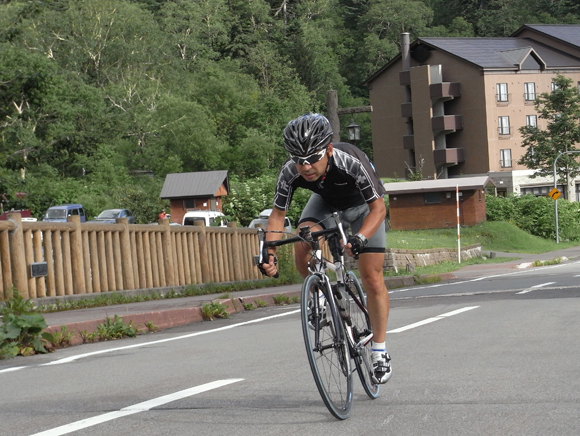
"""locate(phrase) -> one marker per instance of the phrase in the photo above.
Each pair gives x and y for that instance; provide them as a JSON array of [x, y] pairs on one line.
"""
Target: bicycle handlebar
[[304, 235]]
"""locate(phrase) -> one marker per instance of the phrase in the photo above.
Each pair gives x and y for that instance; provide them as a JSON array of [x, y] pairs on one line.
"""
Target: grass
[[492, 235]]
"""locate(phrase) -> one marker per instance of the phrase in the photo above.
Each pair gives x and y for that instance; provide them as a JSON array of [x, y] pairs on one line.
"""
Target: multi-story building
[[452, 107]]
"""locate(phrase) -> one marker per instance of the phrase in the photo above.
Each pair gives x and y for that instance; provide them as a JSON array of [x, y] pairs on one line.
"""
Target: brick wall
[[410, 212]]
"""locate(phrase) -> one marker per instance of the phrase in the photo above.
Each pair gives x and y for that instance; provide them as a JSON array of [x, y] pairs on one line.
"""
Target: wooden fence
[[94, 258]]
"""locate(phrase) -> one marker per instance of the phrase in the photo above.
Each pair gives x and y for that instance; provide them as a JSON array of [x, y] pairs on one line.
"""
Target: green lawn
[[492, 235]]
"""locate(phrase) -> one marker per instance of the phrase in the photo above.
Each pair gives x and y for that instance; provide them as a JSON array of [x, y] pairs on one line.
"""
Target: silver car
[[262, 220], [109, 216]]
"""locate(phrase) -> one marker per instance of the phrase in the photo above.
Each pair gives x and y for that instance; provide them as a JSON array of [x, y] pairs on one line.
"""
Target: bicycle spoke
[[362, 334], [327, 350]]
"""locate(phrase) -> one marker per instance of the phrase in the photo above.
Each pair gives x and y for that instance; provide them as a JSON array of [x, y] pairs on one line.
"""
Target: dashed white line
[[136, 408], [533, 288], [430, 320]]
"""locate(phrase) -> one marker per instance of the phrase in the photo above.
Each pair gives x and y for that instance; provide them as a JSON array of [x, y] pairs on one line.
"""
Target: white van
[[211, 218]]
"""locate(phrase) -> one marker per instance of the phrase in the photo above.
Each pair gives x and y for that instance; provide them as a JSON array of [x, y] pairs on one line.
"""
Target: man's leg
[[371, 270]]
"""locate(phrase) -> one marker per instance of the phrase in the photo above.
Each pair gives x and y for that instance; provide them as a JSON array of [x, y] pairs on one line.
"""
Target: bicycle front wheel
[[361, 328], [326, 348]]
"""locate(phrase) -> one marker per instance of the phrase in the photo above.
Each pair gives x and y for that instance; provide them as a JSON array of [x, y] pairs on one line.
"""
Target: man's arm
[[275, 223]]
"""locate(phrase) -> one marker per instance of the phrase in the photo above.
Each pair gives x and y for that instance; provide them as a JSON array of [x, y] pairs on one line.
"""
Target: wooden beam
[[354, 110]]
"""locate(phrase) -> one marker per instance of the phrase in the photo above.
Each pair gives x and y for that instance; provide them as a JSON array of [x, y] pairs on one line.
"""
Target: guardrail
[[43, 259]]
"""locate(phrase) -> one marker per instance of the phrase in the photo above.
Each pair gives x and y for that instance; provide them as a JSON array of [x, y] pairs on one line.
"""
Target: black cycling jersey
[[350, 180]]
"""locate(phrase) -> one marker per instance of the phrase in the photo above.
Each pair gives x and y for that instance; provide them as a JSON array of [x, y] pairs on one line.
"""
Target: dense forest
[[100, 99]]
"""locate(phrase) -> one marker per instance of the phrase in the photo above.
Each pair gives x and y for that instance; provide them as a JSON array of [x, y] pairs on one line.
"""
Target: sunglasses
[[309, 160]]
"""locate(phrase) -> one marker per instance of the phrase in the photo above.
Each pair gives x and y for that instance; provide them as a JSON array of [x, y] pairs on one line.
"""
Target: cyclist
[[342, 179]]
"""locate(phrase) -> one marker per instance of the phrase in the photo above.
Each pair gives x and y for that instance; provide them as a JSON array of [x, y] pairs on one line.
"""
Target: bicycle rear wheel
[[327, 348], [361, 327]]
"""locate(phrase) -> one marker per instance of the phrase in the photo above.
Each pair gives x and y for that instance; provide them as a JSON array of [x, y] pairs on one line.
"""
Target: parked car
[[61, 212], [211, 218], [262, 219], [109, 216]]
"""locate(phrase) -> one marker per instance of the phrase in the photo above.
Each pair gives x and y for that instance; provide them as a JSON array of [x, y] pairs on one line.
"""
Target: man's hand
[[355, 244], [271, 268]]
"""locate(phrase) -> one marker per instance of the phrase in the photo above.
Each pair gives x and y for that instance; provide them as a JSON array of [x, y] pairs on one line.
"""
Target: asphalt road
[[473, 357]]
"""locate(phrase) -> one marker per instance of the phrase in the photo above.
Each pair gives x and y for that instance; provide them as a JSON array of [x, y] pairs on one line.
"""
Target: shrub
[[21, 331], [535, 215]]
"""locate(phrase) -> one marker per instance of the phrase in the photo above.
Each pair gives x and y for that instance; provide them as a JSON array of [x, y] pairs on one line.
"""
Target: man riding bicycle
[[342, 179]]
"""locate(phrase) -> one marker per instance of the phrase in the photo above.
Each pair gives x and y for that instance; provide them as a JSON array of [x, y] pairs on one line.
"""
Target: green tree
[[561, 111]]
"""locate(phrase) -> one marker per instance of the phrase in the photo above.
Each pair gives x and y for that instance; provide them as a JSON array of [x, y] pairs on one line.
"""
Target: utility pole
[[333, 111]]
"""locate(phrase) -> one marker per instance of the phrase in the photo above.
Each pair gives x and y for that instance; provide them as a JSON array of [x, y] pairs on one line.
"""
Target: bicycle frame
[[319, 266]]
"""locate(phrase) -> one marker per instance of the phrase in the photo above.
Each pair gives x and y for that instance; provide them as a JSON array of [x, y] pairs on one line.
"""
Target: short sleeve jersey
[[350, 180]]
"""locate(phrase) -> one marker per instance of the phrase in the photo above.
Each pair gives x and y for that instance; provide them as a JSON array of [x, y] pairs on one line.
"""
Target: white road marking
[[533, 288], [430, 320], [136, 408], [414, 288], [145, 344]]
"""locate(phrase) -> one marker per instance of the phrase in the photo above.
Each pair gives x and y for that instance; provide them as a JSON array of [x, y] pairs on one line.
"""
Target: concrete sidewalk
[[175, 312]]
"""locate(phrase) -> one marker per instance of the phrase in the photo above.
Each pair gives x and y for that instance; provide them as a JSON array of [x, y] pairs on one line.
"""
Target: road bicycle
[[334, 317]]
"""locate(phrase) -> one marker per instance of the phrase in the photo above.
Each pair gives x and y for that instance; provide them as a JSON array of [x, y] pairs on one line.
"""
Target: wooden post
[[167, 250], [6, 262], [77, 258], [206, 275], [332, 114], [19, 274], [236, 254], [127, 259]]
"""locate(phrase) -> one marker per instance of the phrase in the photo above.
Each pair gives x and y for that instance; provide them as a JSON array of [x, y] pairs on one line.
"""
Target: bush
[[21, 331], [535, 215]]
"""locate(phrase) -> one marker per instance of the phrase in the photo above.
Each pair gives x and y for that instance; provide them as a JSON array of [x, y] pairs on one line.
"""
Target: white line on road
[[145, 344], [430, 320], [136, 408], [533, 288]]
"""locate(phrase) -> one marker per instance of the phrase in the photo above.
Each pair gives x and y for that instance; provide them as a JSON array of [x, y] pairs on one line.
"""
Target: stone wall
[[397, 259]]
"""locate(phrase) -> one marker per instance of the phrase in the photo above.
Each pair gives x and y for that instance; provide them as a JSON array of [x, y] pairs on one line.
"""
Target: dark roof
[[200, 184], [503, 53], [569, 33], [497, 53], [439, 185]]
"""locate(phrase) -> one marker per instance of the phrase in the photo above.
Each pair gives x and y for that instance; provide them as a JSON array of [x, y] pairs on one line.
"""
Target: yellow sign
[[554, 194]]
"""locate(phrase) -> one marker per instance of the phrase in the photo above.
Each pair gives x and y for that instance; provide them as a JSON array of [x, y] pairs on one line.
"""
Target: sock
[[378, 346]]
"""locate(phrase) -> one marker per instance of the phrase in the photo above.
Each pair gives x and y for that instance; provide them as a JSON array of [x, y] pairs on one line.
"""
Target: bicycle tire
[[361, 327], [327, 350]]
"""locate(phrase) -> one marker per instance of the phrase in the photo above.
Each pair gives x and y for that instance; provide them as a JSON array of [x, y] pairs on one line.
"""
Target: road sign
[[554, 194]]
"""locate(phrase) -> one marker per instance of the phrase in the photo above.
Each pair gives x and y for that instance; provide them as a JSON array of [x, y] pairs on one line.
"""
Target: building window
[[506, 158], [529, 91], [554, 86], [539, 191], [503, 125], [501, 92], [531, 120], [432, 197]]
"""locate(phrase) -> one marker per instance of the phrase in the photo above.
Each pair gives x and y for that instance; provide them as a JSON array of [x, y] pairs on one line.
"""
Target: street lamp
[[353, 131]]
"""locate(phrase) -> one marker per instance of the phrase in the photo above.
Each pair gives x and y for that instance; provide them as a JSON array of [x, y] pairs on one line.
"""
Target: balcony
[[409, 142], [448, 156], [447, 123], [445, 91], [407, 110]]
